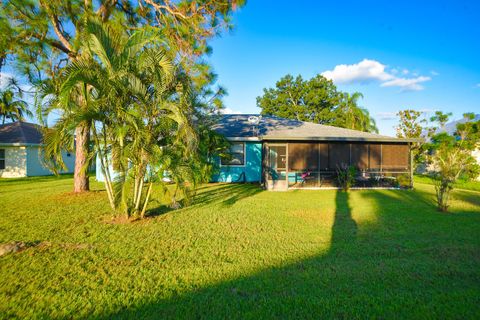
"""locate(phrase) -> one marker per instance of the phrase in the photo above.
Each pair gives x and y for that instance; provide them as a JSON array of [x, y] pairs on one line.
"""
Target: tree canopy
[[138, 104], [40, 38], [450, 155], [12, 107], [315, 100]]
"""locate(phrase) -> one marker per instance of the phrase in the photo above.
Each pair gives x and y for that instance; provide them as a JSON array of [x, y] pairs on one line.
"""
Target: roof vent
[[253, 120]]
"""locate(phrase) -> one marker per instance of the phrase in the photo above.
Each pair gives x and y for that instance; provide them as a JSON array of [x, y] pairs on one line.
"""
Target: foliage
[[315, 100], [346, 176], [451, 155], [39, 38], [12, 106], [403, 181], [137, 103], [351, 116], [241, 251], [410, 126]]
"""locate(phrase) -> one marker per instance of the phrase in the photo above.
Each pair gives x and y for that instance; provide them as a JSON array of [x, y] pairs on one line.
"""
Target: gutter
[[343, 139]]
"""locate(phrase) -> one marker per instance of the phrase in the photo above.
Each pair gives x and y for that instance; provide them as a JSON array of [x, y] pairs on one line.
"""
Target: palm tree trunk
[[82, 142]]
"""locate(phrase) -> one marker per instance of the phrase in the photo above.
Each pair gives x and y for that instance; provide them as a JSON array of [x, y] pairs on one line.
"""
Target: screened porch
[[295, 165]]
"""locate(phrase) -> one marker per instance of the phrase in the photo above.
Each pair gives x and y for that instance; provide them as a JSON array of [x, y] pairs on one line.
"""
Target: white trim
[[319, 138], [340, 139], [237, 165]]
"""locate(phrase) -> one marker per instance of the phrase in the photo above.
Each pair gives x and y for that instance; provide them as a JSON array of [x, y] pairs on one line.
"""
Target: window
[[237, 155], [2, 159]]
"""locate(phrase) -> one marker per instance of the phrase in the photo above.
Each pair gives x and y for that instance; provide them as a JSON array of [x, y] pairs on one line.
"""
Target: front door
[[276, 167]]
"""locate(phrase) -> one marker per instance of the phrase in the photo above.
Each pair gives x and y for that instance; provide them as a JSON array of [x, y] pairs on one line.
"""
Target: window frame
[[3, 158], [244, 145]]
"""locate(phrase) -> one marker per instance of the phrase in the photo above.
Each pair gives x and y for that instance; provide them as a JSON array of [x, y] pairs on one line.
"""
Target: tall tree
[[139, 106], [312, 100], [44, 36], [351, 115], [315, 100], [411, 126], [11, 104], [450, 155]]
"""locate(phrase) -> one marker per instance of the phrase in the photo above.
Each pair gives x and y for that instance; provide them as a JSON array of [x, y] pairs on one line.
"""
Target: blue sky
[[420, 54], [400, 54]]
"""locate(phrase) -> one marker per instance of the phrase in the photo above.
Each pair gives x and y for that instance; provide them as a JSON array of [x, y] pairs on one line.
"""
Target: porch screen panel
[[311, 156], [295, 157], [323, 154], [302, 156], [360, 156], [375, 156], [339, 155], [395, 157]]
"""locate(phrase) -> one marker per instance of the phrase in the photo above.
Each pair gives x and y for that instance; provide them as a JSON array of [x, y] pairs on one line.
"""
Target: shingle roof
[[20, 133], [238, 126]]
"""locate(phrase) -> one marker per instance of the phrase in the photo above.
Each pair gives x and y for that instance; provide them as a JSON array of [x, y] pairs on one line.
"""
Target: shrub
[[403, 181], [346, 176]]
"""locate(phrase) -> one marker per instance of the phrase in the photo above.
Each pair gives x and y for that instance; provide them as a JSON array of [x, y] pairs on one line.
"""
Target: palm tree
[[353, 116], [12, 108], [138, 105]]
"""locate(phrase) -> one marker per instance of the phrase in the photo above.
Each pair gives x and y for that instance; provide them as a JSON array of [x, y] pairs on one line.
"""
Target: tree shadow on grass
[[470, 197], [224, 194], [360, 276]]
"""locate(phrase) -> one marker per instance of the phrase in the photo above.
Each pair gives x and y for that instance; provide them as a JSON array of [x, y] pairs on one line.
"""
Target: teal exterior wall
[[250, 172], [98, 172], [35, 165]]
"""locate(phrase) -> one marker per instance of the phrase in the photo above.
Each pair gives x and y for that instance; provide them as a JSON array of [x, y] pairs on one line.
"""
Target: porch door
[[276, 167]]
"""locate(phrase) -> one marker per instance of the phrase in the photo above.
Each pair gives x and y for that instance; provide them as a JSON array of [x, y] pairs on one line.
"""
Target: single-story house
[[289, 154], [21, 151]]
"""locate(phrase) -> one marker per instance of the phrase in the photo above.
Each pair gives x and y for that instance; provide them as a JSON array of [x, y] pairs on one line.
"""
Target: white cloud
[[230, 111], [362, 72], [407, 84], [434, 73], [368, 70], [387, 115], [427, 110]]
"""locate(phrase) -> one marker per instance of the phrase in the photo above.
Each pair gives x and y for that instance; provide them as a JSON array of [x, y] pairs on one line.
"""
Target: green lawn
[[461, 184], [240, 252]]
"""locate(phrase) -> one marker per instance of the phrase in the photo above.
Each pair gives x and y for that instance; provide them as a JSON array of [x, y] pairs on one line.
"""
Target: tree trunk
[[82, 142]]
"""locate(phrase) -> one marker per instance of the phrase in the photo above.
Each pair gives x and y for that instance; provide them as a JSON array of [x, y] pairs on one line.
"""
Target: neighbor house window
[[2, 159], [237, 155]]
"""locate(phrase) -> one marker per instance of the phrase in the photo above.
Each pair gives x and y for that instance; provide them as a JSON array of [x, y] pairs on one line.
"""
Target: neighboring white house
[[21, 151], [450, 128]]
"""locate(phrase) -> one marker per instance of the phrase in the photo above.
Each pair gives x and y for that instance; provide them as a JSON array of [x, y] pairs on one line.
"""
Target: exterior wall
[[98, 172], [252, 170], [476, 155], [35, 165], [15, 162]]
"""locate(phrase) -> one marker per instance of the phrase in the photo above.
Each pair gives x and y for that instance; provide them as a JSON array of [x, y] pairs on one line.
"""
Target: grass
[[461, 184], [240, 252]]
